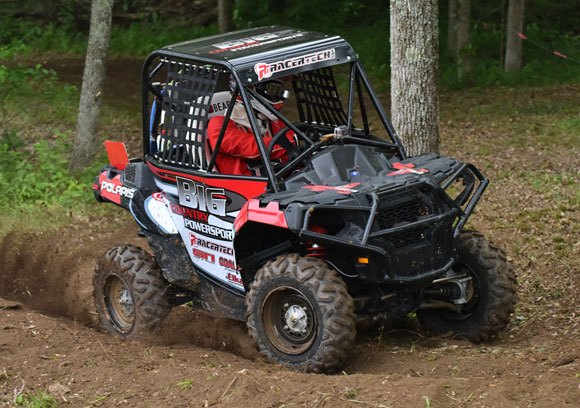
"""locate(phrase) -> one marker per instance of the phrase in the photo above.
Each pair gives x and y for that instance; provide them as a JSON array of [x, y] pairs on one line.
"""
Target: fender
[[252, 211], [151, 211]]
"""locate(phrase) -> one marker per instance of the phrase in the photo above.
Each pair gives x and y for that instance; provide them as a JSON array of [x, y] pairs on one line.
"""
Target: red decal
[[262, 70], [117, 154], [406, 168], [206, 256], [189, 213], [345, 189], [234, 278], [251, 211]]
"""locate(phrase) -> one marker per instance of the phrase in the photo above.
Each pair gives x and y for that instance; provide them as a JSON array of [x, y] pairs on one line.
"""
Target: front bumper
[[411, 231]]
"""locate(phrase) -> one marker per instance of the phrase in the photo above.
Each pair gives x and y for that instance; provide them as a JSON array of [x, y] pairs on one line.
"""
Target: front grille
[[405, 212], [405, 238]]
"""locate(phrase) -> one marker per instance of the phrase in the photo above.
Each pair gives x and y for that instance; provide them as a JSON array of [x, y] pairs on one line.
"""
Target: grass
[[185, 385], [37, 121], [35, 400]]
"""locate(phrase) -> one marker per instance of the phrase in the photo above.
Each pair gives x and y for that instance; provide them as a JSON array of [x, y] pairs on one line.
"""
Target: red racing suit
[[239, 145]]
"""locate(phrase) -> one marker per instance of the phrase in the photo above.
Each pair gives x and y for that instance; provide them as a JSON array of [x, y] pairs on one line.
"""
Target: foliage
[[34, 179], [364, 24], [38, 400], [39, 91], [41, 171]]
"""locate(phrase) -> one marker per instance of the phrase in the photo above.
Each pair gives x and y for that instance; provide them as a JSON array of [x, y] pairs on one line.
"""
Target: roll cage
[[179, 83]]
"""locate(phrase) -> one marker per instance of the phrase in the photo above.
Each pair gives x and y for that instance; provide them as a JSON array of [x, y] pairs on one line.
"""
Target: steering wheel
[[310, 131], [281, 140]]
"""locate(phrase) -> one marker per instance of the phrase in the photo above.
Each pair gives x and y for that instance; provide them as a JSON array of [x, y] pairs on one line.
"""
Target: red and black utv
[[347, 228]]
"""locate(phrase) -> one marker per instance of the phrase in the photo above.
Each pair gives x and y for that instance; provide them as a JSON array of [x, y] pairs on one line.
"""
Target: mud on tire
[[494, 293], [130, 292], [300, 314]]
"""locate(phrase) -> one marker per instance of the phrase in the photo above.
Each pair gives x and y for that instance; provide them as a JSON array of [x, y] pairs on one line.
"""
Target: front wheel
[[300, 314], [488, 293], [130, 292]]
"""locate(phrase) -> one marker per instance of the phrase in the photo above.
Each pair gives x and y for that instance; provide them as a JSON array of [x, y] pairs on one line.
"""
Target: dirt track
[[201, 361], [49, 342]]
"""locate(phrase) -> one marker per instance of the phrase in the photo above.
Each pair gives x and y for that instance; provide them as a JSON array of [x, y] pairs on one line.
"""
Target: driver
[[238, 144]]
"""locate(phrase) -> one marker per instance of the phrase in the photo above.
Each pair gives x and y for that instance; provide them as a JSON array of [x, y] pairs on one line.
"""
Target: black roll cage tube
[[357, 74]]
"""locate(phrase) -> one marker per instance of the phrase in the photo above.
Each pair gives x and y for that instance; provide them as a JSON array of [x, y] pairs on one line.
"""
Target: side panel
[[109, 187], [203, 210]]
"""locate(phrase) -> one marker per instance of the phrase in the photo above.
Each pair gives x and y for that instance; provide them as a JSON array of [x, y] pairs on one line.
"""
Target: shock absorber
[[315, 250]]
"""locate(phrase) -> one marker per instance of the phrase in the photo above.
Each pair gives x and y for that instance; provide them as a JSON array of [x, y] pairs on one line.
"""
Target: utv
[[349, 228]]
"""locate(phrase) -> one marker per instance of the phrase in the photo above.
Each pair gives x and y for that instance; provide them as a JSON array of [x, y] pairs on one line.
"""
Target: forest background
[[522, 129]]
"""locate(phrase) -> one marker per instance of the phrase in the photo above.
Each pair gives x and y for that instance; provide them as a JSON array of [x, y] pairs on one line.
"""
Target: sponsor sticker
[[117, 189], [344, 189], [197, 241], [206, 256], [200, 197], [266, 70], [253, 41], [408, 168], [234, 278]]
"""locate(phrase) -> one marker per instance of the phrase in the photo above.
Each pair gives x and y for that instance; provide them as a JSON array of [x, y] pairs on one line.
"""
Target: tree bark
[[463, 22], [515, 25], [414, 65], [225, 14], [85, 143], [452, 30]]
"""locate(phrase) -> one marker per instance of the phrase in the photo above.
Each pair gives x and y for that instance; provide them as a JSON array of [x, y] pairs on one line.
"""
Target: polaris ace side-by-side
[[346, 228]]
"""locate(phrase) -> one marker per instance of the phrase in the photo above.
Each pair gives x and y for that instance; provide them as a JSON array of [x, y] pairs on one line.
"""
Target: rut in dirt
[[52, 274]]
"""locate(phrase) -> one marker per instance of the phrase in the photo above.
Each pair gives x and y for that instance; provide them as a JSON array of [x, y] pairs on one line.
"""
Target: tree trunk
[[452, 30], [515, 25], [414, 64], [85, 143], [225, 14], [463, 22]]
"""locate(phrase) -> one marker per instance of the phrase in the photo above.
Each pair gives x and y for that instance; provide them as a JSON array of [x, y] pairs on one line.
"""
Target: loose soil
[[50, 341]]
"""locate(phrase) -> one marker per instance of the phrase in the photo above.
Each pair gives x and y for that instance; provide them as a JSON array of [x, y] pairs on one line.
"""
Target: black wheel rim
[[289, 320], [119, 303]]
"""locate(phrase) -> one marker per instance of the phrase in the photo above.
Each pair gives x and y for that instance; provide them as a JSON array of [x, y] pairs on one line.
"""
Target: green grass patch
[[35, 400], [38, 193], [32, 95]]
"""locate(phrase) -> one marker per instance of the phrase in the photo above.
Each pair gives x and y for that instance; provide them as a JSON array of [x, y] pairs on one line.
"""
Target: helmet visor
[[272, 90]]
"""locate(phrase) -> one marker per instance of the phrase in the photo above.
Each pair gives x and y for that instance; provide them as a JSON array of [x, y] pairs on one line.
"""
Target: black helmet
[[272, 90]]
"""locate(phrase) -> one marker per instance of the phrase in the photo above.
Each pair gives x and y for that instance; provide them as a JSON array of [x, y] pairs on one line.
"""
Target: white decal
[[198, 196], [251, 42], [158, 211], [118, 189], [264, 70]]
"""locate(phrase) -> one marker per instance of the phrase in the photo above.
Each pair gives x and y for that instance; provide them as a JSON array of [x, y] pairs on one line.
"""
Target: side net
[[318, 99], [184, 114]]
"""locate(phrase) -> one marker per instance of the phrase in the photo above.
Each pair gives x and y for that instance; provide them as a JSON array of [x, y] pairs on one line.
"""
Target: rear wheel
[[130, 292], [487, 291], [300, 314]]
